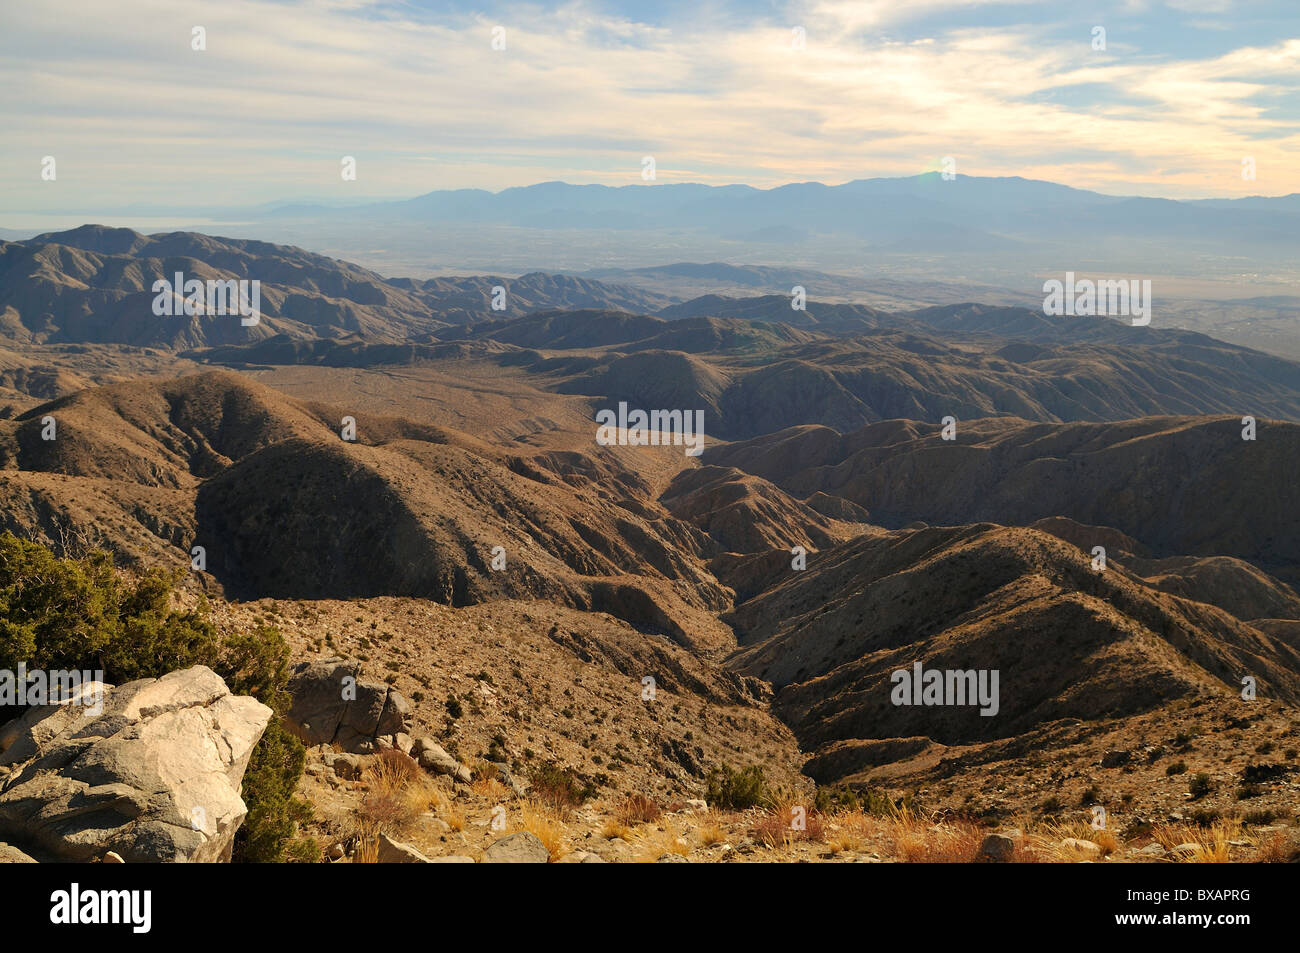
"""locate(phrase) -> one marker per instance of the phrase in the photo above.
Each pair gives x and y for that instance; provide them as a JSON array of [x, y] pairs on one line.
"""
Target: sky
[[762, 93]]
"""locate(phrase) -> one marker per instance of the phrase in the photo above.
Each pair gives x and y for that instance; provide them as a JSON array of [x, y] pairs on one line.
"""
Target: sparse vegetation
[[710, 830], [637, 809], [1199, 786], [543, 821], [914, 839], [735, 790], [397, 792], [559, 787], [1208, 844]]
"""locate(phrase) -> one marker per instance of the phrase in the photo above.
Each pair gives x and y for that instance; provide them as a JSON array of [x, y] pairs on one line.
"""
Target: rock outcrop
[[434, 758], [332, 704], [153, 775], [520, 848]]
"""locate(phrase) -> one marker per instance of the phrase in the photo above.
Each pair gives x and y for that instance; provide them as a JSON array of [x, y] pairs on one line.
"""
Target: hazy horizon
[[143, 212]]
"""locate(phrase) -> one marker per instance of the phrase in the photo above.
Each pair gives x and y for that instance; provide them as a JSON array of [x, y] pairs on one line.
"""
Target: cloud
[[1200, 6], [582, 92]]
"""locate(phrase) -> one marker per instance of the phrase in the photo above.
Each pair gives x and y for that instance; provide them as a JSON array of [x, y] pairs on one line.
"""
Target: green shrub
[[303, 850], [561, 787], [1199, 786], [828, 800], [81, 614], [735, 790], [257, 663], [273, 812], [866, 801]]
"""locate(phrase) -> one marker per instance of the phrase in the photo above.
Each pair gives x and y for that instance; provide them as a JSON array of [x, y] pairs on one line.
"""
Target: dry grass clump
[[788, 820], [613, 827], [397, 792], [367, 851], [1277, 849], [485, 783], [654, 843], [916, 839], [637, 809], [544, 822], [1210, 843], [787, 825], [1048, 837], [451, 812], [710, 831], [849, 831]]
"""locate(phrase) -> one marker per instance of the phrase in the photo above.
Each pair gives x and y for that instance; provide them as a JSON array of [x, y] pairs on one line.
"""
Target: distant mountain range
[[893, 243], [963, 213]]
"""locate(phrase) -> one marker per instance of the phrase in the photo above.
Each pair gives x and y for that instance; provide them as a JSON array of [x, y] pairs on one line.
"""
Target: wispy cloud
[[582, 91]]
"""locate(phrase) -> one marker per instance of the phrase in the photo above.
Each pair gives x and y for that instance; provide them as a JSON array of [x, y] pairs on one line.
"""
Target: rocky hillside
[[94, 285], [1179, 486], [1068, 641]]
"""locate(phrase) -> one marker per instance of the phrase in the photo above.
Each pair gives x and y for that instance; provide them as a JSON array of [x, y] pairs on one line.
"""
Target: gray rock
[[508, 779], [672, 859], [395, 718], [581, 857], [349, 767], [154, 776], [395, 852], [332, 704], [434, 758], [1081, 846], [521, 848], [998, 848]]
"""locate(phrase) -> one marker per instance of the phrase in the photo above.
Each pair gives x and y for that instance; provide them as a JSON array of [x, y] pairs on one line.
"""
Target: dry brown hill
[[1178, 485], [94, 284], [753, 380], [285, 507], [1067, 641], [747, 514]]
